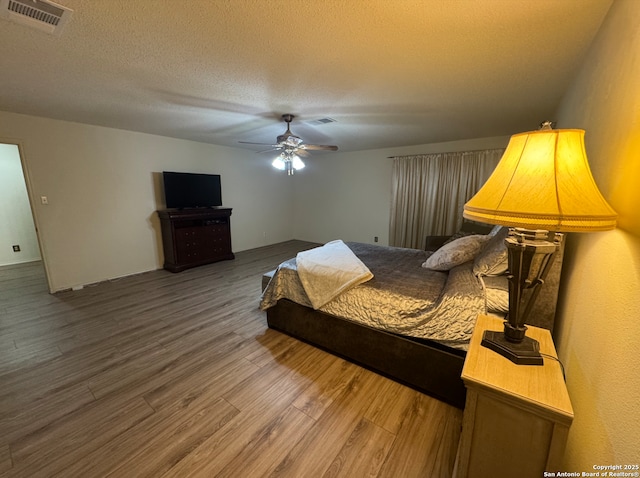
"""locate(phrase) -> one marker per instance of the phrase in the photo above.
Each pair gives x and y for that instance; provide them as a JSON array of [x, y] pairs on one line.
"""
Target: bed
[[412, 319]]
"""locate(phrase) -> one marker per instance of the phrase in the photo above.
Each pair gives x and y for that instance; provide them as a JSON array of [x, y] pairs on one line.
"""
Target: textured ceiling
[[390, 72]]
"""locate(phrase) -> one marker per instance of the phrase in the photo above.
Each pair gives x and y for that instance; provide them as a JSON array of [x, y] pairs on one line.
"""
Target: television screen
[[184, 190]]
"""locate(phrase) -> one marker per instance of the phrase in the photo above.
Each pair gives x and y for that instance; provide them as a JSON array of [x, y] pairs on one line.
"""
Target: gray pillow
[[492, 259], [455, 253]]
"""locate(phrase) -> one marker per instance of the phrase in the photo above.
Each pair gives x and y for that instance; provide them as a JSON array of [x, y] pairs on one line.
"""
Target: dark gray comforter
[[402, 297]]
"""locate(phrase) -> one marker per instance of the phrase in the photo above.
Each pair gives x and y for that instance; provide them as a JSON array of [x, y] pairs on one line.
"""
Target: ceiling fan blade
[[318, 147], [262, 144]]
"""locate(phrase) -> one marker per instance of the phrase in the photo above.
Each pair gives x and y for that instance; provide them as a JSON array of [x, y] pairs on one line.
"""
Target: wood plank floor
[[177, 375]]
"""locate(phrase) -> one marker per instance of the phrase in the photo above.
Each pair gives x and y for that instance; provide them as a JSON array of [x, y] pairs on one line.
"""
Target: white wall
[[348, 195], [16, 221], [104, 187], [599, 304]]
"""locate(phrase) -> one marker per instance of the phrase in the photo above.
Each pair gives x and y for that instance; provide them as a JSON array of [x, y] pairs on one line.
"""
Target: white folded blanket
[[329, 270]]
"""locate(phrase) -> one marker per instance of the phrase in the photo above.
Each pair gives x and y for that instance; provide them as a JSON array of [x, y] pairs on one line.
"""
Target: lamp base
[[526, 352]]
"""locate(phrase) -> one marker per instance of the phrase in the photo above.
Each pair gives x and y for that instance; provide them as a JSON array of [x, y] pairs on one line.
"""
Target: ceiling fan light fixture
[[297, 163], [291, 144], [289, 162], [279, 163]]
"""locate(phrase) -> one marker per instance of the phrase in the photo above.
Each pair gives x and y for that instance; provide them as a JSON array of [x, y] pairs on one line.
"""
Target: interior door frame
[[31, 197]]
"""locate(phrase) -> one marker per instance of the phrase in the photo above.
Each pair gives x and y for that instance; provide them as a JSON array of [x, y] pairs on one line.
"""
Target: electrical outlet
[[44, 200], [375, 239], [16, 248]]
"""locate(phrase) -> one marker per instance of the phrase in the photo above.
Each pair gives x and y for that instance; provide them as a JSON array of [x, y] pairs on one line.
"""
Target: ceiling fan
[[292, 148]]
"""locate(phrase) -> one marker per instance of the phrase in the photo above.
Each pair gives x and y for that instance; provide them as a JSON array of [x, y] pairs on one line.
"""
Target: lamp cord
[[559, 361]]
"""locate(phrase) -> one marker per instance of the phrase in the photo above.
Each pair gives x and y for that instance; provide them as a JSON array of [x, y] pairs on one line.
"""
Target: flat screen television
[[187, 190]]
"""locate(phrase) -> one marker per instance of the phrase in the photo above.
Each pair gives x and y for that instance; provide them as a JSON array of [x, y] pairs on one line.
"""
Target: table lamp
[[542, 183]]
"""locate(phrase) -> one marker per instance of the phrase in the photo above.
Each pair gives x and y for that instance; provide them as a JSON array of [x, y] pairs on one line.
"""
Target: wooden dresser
[[194, 237], [517, 417]]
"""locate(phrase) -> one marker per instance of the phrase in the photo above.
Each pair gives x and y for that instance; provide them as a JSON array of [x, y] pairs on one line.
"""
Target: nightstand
[[516, 417]]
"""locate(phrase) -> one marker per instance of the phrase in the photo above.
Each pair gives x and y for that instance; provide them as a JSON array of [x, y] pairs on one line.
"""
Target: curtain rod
[[446, 152]]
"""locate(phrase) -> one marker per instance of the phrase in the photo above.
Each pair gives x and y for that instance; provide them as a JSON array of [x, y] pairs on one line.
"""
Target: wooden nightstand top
[[540, 389]]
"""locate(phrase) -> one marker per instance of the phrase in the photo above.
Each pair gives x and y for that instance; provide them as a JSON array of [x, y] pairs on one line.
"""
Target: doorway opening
[[19, 242]]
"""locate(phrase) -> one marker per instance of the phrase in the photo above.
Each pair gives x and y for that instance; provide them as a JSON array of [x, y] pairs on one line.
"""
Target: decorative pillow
[[492, 259], [455, 253], [497, 293]]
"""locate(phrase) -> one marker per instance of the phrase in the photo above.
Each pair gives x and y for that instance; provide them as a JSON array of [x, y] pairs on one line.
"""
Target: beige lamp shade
[[543, 181]]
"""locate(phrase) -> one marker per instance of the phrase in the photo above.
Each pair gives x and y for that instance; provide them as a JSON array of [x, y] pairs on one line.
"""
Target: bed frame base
[[426, 366]]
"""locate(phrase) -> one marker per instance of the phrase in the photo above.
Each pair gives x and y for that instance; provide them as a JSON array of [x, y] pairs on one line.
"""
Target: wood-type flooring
[[177, 375]]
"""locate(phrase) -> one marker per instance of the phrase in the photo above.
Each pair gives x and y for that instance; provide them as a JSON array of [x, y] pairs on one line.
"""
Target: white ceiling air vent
[[320, 121], [41, 14]]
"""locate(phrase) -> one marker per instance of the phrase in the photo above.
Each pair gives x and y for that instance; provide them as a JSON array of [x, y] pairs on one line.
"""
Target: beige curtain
[[430, 190]]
